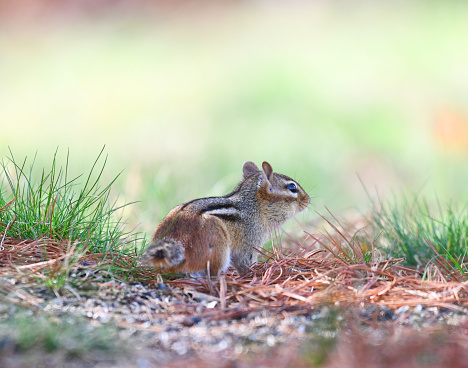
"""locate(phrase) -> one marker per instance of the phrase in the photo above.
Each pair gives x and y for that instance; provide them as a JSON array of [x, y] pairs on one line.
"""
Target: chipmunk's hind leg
[[167, 254], [219, 245]]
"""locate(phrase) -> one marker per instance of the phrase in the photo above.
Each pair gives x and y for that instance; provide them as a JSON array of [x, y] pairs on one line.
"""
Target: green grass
[[421, 233], [321, 91], [75, 213], [51, 204], [48, 203]]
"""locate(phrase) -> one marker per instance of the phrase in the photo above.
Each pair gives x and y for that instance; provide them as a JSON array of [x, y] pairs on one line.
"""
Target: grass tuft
[[49, 222], [58, 207], [423, 235]]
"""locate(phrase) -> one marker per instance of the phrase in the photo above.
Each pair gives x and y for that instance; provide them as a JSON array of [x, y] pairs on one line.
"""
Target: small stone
[[222, 345], [271, 340], [105, 317], [418, 309], [179, 347], [211, 304], [190, 321], [402, 310], [130, 319]]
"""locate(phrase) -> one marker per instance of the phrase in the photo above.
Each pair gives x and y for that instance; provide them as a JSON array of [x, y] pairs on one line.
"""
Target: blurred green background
[[182, 93]]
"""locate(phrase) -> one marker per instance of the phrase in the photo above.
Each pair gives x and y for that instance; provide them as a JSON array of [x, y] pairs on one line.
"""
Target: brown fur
[[212, 232]]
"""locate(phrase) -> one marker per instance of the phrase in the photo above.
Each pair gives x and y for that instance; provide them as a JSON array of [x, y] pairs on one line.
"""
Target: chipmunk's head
[[279, 195]]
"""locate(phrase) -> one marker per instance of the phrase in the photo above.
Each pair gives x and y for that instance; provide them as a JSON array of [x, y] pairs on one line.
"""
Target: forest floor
[[309, 307]]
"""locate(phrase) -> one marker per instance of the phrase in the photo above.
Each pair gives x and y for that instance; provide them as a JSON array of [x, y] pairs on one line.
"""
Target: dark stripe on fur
[[218, 207], [227, 217], [196, 200]]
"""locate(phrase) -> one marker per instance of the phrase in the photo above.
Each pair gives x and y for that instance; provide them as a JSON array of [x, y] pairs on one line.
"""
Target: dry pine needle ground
[[290, 282], [319, 271]]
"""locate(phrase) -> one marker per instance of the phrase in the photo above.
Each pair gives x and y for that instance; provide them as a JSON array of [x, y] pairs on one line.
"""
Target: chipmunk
[[215, 231]]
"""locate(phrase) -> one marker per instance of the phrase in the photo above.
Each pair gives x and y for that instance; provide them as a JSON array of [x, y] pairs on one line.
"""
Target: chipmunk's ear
[[249, 168], [268, 170]]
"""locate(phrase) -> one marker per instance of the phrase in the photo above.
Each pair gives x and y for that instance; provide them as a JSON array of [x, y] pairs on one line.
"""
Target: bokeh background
[[340, 95]]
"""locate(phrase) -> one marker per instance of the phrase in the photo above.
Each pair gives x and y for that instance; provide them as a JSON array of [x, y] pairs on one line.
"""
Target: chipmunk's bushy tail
[[164, 253]]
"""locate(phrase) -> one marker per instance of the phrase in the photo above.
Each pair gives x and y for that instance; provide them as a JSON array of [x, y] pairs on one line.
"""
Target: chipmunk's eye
[[292, 187]]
